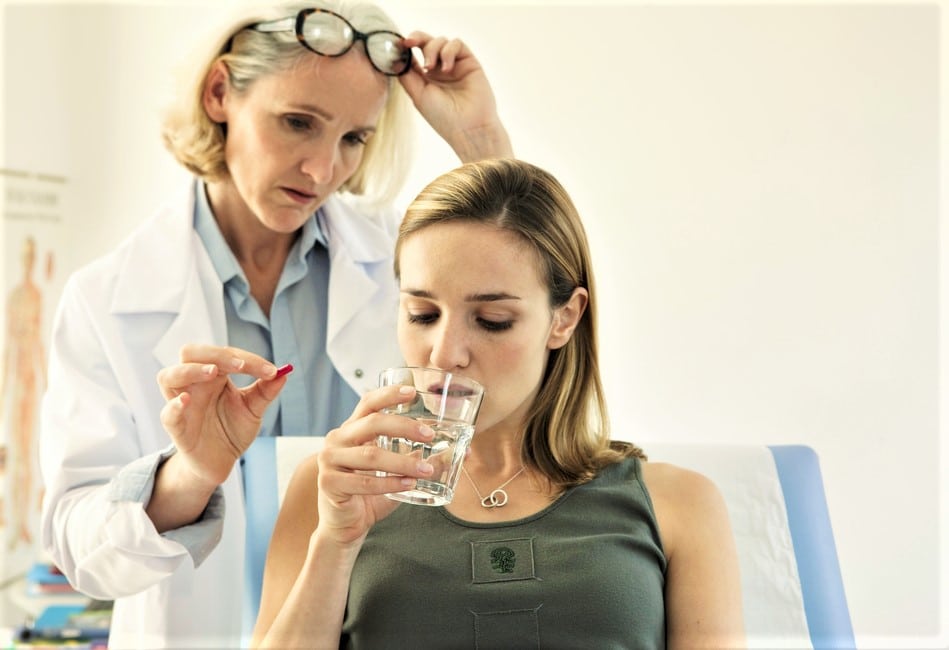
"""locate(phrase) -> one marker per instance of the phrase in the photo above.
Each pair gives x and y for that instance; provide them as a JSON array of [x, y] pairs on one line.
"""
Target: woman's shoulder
[[662, 480], [703, 583], [684, 501], [673, 481], [304, 476], [297, 512]]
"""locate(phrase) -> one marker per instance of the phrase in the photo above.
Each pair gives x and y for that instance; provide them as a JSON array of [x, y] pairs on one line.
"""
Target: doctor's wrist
[[179, 496]]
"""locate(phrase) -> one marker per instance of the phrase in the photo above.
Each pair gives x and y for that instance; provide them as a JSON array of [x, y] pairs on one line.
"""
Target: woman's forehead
[[468, 250], [470, 237]]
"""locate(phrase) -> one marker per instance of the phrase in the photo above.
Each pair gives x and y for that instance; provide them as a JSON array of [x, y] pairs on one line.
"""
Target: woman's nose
[[450, 348]]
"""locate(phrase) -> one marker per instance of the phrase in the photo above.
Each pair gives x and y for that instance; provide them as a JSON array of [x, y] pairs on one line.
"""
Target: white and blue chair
[[792, 587], [791, 582]]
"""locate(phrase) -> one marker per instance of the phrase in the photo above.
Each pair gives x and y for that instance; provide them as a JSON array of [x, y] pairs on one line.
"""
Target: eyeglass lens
[[329, 34]]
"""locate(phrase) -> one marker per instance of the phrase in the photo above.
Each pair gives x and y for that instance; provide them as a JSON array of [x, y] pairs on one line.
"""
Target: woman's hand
[[351, 497], [451, 91], [211, 421]]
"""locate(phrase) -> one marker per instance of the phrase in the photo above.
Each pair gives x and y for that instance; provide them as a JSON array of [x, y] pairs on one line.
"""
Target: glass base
[[426, 493]]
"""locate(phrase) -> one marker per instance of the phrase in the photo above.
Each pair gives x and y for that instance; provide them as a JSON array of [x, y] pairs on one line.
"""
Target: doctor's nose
[[320, 162]]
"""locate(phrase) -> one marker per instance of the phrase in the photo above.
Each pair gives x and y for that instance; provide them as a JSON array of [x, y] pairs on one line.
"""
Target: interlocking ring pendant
[[498, 496], [494, 500]]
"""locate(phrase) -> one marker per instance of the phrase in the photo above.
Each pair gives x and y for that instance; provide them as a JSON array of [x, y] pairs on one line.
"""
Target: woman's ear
[[216, 86], [566, 319]]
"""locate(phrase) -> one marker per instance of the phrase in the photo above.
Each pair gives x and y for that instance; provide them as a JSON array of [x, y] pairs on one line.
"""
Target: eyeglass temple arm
[[280, 25]]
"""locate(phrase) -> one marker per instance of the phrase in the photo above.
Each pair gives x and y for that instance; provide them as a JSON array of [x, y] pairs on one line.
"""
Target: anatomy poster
[[33, 220]]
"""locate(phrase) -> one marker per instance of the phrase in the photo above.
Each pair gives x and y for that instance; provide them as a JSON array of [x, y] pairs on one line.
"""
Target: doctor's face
[[294, 137], [473, 302]]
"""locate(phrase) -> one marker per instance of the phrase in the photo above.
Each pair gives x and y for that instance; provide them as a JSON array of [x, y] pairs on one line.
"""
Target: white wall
[[761, 187]]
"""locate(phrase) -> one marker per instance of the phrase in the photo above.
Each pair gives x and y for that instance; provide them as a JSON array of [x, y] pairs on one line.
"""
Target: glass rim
[[449, 373]]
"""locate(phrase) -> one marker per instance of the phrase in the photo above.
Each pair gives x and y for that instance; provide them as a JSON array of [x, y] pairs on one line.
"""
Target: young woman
[[592, 547], [291, 114]]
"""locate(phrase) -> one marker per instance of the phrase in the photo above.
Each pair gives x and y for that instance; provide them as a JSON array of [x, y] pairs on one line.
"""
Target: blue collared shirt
[[315, 398]]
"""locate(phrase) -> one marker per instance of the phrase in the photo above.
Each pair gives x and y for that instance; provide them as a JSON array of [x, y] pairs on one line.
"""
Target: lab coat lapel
[[355, 243], [163, 272], [196, 321]]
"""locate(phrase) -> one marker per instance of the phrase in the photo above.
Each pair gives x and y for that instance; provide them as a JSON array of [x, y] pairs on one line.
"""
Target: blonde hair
[[567, 434], [197, 142]]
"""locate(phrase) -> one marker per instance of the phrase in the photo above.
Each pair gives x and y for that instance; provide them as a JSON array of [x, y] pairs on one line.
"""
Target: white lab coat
[[120, 320]]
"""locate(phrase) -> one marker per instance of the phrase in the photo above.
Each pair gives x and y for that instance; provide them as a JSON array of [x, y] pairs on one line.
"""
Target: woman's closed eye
[[423, 318], [429, 318], [495, 325]]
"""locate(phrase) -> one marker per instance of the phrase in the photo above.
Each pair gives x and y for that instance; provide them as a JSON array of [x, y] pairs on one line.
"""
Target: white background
[[761, 185]]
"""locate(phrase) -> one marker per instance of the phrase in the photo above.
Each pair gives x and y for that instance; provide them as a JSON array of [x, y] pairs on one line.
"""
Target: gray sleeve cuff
[[135, 483]]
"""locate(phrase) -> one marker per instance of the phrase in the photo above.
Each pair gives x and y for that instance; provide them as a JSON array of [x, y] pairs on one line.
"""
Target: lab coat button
[[358, 373]]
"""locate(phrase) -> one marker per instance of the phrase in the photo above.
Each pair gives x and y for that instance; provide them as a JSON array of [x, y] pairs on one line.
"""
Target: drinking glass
[[448, 403]]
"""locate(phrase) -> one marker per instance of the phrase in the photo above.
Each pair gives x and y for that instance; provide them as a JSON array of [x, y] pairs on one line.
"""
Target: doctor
[[290, 115]]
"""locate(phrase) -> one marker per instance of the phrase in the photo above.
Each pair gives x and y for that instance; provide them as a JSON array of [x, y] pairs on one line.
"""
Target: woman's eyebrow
[[490, 297], [474, 297]]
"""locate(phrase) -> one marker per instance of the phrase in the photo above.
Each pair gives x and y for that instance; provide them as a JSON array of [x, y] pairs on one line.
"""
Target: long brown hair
[[567, 434]]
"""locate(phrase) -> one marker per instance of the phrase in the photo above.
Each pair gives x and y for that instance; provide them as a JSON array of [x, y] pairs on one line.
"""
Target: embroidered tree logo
[[502, 560]]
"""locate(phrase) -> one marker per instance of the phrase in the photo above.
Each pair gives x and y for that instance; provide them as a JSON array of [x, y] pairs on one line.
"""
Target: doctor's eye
[[356, 139], [298, 122]]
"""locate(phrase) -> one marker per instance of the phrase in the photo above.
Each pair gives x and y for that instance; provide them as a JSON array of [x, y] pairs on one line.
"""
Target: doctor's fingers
[[228, 359], [258, 396], [177, 379], [173, 415], [438, 52]]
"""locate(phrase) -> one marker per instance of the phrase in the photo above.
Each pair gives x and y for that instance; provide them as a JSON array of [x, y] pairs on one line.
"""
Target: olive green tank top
[[588, 571]]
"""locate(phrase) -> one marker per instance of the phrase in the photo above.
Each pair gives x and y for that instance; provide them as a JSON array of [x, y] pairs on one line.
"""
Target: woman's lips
[[450, 392]]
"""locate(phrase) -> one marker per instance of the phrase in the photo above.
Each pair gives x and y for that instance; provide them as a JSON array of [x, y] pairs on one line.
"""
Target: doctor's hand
[[351, 496], [211, 421], [452, 92]]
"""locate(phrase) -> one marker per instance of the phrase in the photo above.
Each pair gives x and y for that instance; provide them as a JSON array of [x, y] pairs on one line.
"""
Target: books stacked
[[76, 627], [44, 579], [62, 617]]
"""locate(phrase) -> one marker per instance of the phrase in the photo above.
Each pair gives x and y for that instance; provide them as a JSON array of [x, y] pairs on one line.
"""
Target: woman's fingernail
[[405, 390], [426, 431], [237, 364], [425, 468], [209, 369]]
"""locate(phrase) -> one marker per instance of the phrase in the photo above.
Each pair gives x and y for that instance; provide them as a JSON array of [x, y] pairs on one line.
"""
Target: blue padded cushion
[[259, 465], [825, 604]]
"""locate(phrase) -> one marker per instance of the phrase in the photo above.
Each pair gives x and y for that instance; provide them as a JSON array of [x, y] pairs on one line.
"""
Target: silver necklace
[[498, 496]]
